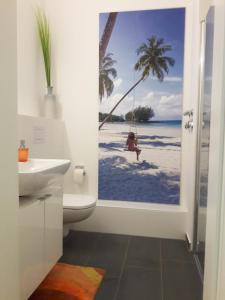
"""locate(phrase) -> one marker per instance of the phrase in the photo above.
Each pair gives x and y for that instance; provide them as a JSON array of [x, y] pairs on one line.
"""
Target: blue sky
[[130, 31]]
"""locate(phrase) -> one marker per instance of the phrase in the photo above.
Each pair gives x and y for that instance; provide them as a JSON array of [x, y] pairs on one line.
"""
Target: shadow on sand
[[121, 146], [112, 146], [159, 144], [149, 137], [120, 180], [153, 137]]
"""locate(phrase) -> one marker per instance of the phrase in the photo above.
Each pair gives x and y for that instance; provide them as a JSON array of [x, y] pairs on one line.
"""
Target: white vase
[[50, 104]]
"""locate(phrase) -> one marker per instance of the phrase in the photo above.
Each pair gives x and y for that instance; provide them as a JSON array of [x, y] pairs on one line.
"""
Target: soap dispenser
[[23, 152]]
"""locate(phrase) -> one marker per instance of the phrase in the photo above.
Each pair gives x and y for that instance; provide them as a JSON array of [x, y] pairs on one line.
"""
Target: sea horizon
[[153, 123]]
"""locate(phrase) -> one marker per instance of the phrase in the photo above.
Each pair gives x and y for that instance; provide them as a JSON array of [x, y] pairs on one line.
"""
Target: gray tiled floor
[[137, 268]]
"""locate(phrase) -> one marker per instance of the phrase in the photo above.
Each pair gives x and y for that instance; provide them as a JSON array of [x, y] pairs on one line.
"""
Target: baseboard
[[188, 242], [133, 221]]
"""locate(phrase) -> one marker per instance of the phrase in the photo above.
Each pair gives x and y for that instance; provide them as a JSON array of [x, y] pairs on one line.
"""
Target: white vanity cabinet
[[31, 221], [53, 247], [41, 236]]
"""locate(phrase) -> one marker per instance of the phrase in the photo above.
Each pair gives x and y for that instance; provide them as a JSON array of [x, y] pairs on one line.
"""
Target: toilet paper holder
[[80, 167]]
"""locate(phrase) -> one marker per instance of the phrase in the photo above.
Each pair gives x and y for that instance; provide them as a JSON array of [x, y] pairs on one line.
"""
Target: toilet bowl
[[76, 208]]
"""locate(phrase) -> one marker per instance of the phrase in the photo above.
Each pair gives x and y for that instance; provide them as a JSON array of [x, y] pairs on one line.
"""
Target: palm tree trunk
[[106, 35], [124, 96]]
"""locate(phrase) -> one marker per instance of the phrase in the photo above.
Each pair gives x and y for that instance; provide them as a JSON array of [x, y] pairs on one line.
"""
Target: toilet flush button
[[39, 135]]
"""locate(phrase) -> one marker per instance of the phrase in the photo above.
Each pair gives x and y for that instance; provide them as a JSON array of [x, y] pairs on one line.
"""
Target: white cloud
[[152, 95], [117, 82], [173, 79], [170, 79], [108, 103], [167, 106]]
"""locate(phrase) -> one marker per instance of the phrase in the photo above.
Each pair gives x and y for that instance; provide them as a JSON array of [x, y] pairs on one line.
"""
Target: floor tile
[[107, 289], [181, 281], [143, 252], [109, 254], [201, 258], [73, 258], [78, 247], [140, 283], [136, 267], [175, 250]]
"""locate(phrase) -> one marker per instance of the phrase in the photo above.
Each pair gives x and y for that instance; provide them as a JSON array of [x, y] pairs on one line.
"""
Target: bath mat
[[68, 282]]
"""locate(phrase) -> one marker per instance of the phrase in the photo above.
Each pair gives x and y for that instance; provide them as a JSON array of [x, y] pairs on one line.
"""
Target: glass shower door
[[203, 145]]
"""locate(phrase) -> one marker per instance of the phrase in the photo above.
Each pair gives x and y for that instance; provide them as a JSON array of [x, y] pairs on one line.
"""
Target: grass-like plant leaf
[[44, 35]]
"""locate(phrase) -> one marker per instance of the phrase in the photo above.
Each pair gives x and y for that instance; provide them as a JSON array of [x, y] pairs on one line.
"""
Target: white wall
[[44, 137], [9, 278], [75, 51], [31, 80], [203, 8], [75, 55], [163, 221], [75, 77]]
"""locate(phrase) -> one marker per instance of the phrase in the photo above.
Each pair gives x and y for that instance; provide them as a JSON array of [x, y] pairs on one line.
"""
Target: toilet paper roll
[[78, 176]]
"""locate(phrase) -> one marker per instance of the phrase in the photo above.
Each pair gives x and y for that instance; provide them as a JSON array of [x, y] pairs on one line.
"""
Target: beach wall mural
[[141, 58]]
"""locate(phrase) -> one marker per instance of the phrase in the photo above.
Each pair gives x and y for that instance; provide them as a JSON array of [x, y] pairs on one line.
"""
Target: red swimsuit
[[132, 144]]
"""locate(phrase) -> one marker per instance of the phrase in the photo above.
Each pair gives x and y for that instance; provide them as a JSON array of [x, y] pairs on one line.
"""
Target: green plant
[[44, 36]]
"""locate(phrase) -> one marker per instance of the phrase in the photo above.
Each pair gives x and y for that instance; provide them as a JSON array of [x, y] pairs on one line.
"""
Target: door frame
[[221, 259], [221, 239], [215, 231], [199, 133]]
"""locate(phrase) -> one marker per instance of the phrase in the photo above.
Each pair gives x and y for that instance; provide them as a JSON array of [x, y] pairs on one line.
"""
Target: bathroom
[[141, 250]]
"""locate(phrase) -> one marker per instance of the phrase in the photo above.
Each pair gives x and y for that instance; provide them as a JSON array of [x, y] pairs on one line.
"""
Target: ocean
[[164, 123]]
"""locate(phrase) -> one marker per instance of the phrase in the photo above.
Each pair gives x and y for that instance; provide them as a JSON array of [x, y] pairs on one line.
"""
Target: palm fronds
[[44, 36], [106, 75], [152, 60]]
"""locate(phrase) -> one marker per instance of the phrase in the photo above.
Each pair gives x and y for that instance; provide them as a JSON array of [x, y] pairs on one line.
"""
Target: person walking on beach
[[132, 144]]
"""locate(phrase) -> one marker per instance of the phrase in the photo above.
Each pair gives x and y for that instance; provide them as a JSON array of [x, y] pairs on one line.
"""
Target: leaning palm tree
[[152, 61], [106, 75], [106, 35]]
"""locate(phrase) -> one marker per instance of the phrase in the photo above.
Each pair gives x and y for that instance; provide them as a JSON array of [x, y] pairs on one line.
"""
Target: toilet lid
[[75, 201]]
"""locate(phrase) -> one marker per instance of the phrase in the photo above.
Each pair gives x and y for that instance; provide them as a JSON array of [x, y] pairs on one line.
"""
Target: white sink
[[36, 174]]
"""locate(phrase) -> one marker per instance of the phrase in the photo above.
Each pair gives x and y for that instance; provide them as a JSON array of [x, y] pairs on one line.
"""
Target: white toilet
[[76, 207]]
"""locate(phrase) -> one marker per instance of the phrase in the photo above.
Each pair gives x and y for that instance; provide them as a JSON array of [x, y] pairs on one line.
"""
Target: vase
[[50, 104]]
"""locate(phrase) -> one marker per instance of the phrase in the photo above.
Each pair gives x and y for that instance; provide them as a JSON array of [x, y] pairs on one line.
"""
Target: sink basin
[[36, 174]]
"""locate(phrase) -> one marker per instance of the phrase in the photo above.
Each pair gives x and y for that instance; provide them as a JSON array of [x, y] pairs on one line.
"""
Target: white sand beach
[[154, 178]]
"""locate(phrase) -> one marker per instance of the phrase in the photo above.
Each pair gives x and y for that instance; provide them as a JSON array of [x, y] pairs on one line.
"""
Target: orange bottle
[[23, 152]]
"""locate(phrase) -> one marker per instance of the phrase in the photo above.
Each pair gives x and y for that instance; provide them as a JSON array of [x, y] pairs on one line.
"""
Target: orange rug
[[68, 282]]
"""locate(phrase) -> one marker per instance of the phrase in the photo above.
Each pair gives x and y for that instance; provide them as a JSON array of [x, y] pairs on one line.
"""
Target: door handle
[[189, 125]]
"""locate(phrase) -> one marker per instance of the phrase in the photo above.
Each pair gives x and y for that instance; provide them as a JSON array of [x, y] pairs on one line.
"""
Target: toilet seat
[[78, 201]]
